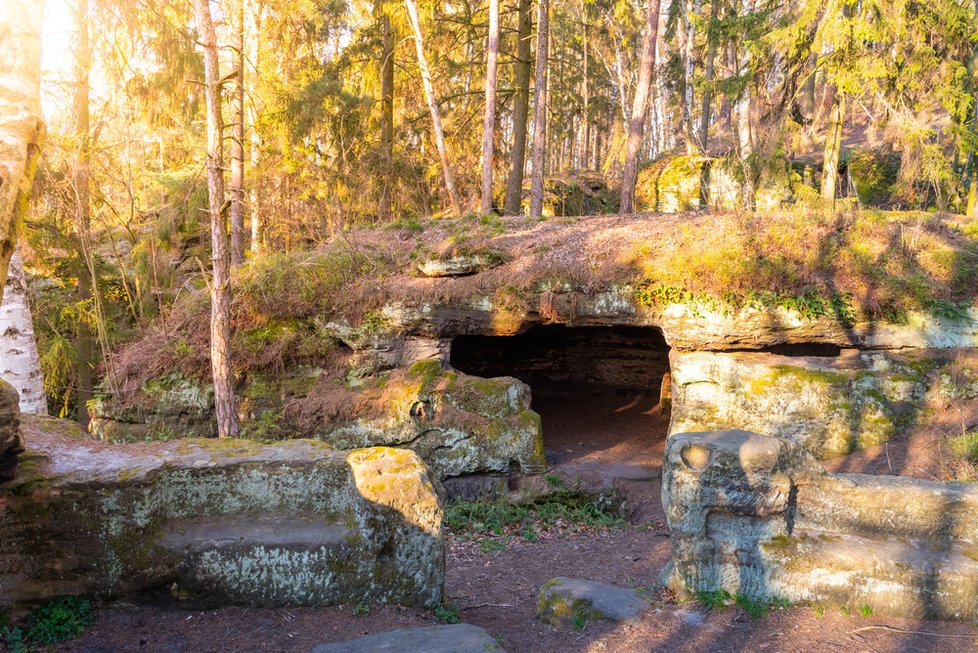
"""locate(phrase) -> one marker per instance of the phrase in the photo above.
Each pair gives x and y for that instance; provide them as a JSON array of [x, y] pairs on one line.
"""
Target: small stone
[[455, 638], [457, 266], [574, 601]]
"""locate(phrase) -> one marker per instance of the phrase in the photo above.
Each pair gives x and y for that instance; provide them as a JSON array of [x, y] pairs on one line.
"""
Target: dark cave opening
[[596, 388]]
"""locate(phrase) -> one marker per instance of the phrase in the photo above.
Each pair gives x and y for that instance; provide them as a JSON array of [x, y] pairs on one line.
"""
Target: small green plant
[[361, 609], [446, 613], [820, 611], [554, 481], [866, 610], [756, 609], [580, 619], [60, 620], [717, 600], [845, 611], [488, 545]]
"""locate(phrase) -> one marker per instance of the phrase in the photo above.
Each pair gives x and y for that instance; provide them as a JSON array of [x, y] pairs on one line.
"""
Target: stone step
[[902, 577], [454, 638]]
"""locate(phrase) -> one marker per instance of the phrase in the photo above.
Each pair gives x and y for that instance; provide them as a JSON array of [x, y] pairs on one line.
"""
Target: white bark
[[20, 364], [21, 127]]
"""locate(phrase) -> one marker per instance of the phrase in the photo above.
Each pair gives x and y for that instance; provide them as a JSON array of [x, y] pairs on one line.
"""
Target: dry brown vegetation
[[858, 265]]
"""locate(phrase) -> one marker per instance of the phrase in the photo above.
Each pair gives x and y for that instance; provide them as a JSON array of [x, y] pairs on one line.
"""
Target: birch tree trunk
[[237, 141], [742, 108], [224, 404], [489, 124], [540, 110], [521, 110], [21, 133], [636, 125], [429, 92], [20, 364]]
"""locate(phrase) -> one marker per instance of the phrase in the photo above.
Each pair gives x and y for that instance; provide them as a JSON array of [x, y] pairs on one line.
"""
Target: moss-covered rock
[[757, 517], [874, 174], [11, 441], [830, 405], [221, 521], [575, 193], [459, 424], [575, 602]]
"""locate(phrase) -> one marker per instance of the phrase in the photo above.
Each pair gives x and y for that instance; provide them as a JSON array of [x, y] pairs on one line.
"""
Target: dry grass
[[880, 265]]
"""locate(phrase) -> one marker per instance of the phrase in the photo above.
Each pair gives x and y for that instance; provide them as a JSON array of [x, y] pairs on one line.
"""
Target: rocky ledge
[[220, 522]]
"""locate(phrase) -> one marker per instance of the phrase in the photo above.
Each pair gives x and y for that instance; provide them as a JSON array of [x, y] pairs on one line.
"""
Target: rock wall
[[459, 424], [227, 521], [756, 516], [831, 405]]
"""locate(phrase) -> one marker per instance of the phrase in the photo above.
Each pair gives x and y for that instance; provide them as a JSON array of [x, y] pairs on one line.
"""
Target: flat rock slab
[[573, 601], [456, 638]]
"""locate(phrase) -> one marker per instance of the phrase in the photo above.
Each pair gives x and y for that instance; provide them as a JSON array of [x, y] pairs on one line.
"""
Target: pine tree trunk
[[85, 339], [224, 403], [20, 364], [489, 123], [690, 10], [521, 110], [709, 74], [636, 125], [21, 126], [253, 47], [237, 143], [586, 81], [387, 118], [540, 110], [429, 92], [833, 147]]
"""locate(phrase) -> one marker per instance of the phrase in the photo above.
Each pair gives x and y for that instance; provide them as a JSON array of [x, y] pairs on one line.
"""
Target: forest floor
[[602, 438]]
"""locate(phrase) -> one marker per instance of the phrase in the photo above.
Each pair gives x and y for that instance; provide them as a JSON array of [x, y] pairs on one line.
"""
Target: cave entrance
[[596, 388]]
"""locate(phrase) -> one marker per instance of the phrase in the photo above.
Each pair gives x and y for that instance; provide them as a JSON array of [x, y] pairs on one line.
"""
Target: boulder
[[574, 601], [11, 441], [757, 517], [454, 638], [831, 405], [456, 266], [220, 522]]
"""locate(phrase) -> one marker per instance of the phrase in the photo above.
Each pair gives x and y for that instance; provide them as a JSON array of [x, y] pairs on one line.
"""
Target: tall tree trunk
[[429, 92], [84, 342], [709, 75], [742, 108], [586, 81], [489, 123], [387, 107], [224, 403], [237, 142], [691, 9], [253, 48], [636, 124], [20, 364], [21, 126], [540, 109], [833, 147], [521, 110]]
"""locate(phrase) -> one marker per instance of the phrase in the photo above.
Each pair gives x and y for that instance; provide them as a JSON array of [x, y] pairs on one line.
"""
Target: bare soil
[[598, 437]]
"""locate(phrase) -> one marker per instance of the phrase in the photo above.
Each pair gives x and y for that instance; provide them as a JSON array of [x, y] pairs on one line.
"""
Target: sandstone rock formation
[[454, 638], [756, 516], [575, 601], [229, 522]]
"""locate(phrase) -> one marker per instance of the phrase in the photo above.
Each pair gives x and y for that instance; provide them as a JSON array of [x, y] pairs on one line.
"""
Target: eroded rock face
[[11, 441], [757, 516], [829, 405], [228, 522]]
